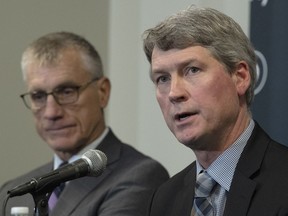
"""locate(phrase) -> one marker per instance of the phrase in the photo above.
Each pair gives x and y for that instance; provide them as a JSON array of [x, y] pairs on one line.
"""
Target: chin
[[61, 145], [185, 137], [189, 141]]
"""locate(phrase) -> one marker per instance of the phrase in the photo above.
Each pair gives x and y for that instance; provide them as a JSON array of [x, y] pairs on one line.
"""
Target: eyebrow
[[67, 84], [60, 85], [181, 64]]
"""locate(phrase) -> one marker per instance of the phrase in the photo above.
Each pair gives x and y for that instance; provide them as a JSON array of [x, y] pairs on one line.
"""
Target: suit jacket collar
[[188, 190], [243, 185], [176, 196], [70, 198], [111, 147]]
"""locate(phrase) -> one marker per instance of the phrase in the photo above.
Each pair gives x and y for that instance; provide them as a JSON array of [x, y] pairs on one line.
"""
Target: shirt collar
[[222, 169]]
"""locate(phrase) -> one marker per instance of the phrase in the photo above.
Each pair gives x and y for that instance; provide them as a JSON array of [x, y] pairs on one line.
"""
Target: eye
[[38, 96], [162, 79], [66, 91], [192, 70]]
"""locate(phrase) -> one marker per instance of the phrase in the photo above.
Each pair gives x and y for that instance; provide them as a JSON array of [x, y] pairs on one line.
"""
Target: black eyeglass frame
[[78, 90]]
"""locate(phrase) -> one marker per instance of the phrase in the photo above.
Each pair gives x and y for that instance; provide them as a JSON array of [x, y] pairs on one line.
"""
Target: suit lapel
[[243, 186], [181, 193], [111, 147], [78, 189], [75, 192], [240, 195], [188, 191]]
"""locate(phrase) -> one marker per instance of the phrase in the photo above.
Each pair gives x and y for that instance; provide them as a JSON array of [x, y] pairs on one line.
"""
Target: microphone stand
[[41, 202]]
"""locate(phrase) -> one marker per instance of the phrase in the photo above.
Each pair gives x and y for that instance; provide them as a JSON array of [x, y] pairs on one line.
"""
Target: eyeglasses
[[62, 95]]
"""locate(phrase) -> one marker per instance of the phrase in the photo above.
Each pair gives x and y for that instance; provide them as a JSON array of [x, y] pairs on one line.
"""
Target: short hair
[[208, 28], [47, 50]]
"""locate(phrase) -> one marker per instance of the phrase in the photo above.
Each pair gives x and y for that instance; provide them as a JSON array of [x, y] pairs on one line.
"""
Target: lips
[[58, 128], [183, 116]]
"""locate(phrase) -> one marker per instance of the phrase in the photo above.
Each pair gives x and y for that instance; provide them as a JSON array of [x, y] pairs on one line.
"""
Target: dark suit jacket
[[122, 189], [259, 186]]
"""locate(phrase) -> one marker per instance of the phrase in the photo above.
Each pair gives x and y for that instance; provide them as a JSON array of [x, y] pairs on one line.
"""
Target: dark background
[[269, 35]]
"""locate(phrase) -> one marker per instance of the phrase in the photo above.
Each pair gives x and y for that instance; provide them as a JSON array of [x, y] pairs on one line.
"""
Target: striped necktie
[[56, 192], [204, 185]]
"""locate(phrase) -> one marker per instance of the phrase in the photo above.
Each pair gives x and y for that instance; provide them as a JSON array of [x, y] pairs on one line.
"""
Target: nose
[[178, 92], [52, 109]]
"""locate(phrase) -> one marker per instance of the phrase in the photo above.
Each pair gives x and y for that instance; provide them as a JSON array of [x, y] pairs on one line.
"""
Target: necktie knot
[[204, 185], [202, 203]]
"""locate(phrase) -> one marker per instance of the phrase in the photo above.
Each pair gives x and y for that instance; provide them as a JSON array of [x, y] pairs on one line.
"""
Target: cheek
[[88, 116], [215, 97], [222, 87], [162, 102], [38, 122], [223, 98]]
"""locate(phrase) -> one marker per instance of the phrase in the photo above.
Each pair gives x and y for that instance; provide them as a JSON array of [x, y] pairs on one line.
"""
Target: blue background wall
[[269, 35]]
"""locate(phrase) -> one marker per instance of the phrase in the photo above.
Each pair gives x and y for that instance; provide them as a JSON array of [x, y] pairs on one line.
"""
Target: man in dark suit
[[204, 70], [67, 94]]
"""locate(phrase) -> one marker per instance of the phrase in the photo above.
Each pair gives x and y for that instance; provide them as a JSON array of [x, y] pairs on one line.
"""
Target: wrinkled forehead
[[51, 57], [162, 57], [67, 70], [68, 60]]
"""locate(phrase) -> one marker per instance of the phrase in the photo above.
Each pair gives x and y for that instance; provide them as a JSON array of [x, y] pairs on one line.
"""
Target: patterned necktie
[[56, 192], [203, 188]]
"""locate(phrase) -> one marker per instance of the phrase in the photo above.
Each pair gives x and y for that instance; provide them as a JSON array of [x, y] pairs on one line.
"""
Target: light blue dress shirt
[[223, 168]]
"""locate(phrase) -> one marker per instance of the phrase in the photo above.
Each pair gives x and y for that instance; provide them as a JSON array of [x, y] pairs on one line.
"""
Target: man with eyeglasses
[[67, 94]]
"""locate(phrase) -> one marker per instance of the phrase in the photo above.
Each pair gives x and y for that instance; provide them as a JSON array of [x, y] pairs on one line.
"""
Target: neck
[[224, 141]]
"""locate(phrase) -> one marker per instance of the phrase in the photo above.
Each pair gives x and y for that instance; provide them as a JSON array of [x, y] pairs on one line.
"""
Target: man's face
[[68, 128], [197, 96]]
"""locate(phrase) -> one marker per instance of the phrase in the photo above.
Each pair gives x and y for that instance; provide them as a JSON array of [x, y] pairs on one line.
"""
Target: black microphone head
[[97, 161]]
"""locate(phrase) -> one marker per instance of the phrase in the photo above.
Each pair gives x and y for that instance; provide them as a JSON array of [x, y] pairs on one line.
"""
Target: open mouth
[[183, 116]]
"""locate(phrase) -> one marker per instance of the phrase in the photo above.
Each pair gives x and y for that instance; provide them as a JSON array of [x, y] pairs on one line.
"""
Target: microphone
[[92, 163]]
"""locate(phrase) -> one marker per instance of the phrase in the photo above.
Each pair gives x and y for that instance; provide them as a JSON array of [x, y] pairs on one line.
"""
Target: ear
[[242, 78], [103, 88]]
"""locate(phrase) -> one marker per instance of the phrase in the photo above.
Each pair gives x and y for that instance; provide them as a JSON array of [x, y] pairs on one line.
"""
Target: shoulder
[[261, 141], [132, 162], [127, 163], [120, 154], [27, 176], [25, 200]]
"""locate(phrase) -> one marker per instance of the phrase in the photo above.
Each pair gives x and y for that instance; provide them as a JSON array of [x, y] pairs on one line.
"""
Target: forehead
[[174, 57], [68, 68]]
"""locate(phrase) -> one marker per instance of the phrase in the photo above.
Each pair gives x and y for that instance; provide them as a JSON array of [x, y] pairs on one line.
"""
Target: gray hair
[[47, 50], [208, 28]]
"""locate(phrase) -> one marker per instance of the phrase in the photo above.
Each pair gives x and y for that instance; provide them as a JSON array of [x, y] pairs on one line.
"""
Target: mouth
[[59, 128], [183, 116]]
